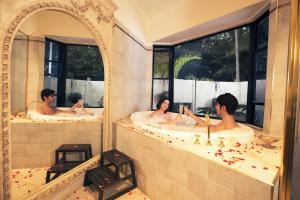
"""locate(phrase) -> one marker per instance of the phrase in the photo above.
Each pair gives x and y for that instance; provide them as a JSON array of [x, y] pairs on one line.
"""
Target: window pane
[[160, 88], [262, 33], [260, 91], [261, 64], [259, 115], [52, 51], [84, 63], [51, 69], [85, 76], [211, 66], [91, 91], [161, 64]]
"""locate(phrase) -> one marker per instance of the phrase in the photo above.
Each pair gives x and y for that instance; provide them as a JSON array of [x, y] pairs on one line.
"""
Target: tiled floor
[[26, 181], [86, 193]]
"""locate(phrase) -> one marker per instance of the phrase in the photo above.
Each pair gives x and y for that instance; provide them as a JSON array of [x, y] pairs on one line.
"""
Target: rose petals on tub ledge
[[249, 158]]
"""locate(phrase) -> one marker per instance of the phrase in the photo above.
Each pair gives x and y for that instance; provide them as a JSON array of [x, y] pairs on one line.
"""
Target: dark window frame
[[62, 65], [252, 71]]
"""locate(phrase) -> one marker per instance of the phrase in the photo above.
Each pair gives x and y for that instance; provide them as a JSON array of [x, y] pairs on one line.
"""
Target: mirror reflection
[[57, 89]]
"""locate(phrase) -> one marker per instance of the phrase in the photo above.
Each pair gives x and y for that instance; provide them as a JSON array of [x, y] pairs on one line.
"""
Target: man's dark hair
[[46, 93], [229, 101], [158, 105]]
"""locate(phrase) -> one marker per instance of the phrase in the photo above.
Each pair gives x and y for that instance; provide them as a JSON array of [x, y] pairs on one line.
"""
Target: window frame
[[62, 68], [252, 71]]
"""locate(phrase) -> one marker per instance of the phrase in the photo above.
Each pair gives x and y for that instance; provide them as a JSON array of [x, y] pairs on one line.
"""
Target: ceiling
[[152, 8], [160, 21]]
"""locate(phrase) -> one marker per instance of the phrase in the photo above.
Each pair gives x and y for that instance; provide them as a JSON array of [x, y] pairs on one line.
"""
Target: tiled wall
[[166, 172], [276, 70], [131, 76], [34, 144], [18, 72], [27, 72]]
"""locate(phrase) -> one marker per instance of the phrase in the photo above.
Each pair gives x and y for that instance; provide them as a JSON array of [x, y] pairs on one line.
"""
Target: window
[[161, 72], [261, 53], [74, 70], [200, 70], [53, 65]]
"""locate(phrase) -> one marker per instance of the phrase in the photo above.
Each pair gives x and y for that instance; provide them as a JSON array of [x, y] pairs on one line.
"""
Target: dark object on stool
[[62, 165], [109, 173]]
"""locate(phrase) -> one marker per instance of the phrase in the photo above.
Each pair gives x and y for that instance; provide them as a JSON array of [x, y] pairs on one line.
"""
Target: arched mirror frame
[[97, 17]]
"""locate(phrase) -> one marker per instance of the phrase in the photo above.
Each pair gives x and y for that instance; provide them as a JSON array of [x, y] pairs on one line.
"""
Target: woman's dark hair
[[74, 97], [161, 100], [229, 101]]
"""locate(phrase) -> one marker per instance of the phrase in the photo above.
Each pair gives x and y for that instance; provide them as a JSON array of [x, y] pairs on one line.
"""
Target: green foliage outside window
[[84, 62]]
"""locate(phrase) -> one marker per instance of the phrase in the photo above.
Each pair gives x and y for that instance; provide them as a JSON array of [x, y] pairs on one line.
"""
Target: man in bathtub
[[47, 108], [226, 106]]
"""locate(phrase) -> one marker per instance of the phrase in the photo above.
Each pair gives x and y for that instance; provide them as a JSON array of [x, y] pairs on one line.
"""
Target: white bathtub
[[186, 130], [96, 114]]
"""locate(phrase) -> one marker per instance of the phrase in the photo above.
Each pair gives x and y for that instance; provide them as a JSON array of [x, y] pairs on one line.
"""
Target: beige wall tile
[[197, 185]]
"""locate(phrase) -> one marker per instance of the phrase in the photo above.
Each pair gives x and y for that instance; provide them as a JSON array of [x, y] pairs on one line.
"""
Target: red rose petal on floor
[[75, 191], [265, 168], [77, 197], [85, 189], [237, 144]]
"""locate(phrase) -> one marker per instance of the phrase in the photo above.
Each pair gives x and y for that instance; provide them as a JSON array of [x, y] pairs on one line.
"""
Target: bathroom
[[128, 42]]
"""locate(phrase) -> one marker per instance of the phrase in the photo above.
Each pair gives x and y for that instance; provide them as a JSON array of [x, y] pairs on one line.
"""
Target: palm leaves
[[184, 59]]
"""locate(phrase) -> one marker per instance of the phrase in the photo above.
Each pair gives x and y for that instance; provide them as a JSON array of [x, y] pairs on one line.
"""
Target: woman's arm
[[70, 110]]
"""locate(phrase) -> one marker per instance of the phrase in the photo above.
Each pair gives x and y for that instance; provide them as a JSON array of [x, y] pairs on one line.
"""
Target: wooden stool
[[108, 173], [68, 148], [59, 168], [63, 165]]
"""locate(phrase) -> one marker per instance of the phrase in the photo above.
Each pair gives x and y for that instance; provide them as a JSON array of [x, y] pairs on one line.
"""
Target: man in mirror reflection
[[47, 108]]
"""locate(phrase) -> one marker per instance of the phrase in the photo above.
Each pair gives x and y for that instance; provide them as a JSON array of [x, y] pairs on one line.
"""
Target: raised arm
[[70, 110], [194, 117]]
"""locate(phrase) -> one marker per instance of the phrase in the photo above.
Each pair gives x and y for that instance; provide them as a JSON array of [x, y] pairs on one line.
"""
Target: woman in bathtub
[[162, 107], [226, 106]]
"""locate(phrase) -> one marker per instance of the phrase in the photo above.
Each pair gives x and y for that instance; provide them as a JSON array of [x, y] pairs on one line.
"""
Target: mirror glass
[[55, 51]]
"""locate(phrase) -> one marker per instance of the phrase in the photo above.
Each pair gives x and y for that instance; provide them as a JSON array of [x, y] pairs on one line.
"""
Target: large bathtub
[[95, 114], [185, 129]]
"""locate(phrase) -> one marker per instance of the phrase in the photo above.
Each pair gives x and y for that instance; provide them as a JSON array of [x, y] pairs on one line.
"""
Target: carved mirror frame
[[97, 16]]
